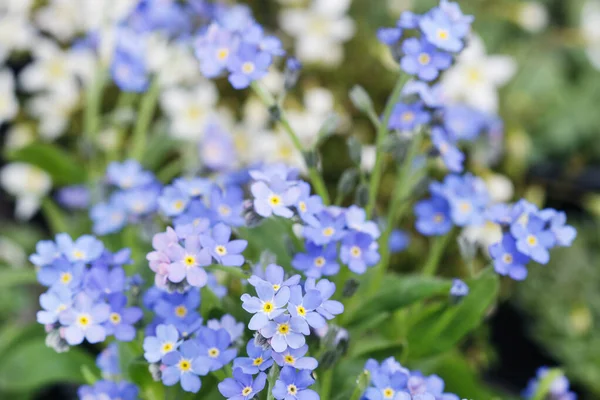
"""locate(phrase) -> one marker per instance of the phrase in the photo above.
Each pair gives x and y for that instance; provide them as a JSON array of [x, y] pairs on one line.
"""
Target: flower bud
[[348, 181], [354, 149], [362, 195], [361, 99]]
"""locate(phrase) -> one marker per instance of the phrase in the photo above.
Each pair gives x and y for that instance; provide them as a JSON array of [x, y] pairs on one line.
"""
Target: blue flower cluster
[[284, 312], [559, 388], [109, 390], [390, 380], [134, 197], [234, 43], [328, 231], [86, 297], [440, 34], [528, 234]]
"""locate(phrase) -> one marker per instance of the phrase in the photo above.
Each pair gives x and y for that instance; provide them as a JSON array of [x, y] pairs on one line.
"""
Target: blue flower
[[109, 391], [214, 348], [442, 30], [46, 252], [217, 149], [173, 201], [121, 318], [308, 206], [74, 197], [328, 308], [196, 214], [433, 216], [304, 307], [386, 386], [62, 273], [356, 219], [274, 198], [227, 205], [259, 359], [459, 288], [223, 250], [508, 260], [407, 117], [214, 50], [358, 252], [462, 23], [266, 306], [128, 68], [431, 96], [275, 276], [108, 361], [463, 122], [330, 229], [104, 281], [85, 249], [452, 157], [563, 233], [398, 241], [84, 320], [276, 173], [227, 322], [178, 309], [54, 302], [140, 201], [109, 217], [293, 385], [184, 365], [428, 387], [248, 65], [242, 386], [467, 196], [295, 358], [165, 341], [408, 20], [188, 262], [193, 187], [317, 261], [389, 36], [284, 331], [533, 239], [559, 388], [422, 59], [128, 175]]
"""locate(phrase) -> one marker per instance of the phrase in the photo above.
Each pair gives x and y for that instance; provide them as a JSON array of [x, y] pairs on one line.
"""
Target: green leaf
[[236, 272], [398, 292], [13, 277], [441, 329], [269, 235], [372, 344], [61, 166], [32, 365], [89, 376]]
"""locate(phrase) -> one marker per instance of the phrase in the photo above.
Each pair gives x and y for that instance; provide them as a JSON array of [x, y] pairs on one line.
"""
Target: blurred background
[[536, 64]]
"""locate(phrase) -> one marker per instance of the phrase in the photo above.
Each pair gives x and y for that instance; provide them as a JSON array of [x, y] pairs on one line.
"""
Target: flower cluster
[[236, 44], [283, 314], [528, 234], [135, 197], [329, 232], [390, 380], [86, 299], [559, 388]]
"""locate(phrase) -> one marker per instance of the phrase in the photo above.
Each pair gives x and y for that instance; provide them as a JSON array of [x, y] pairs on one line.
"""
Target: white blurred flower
[[16, 33], [590, 29], [532, 16], [18, 136], [53, 110], [189, 110], [173, 62], [367, 157], [476, 77], [12, 253], [108, 139], [484, 235], [318, 106], [61, 18], [9, 105], [396, 7], [28, 184], [319, 30], [272, 147], [16, 6], [500, 188]]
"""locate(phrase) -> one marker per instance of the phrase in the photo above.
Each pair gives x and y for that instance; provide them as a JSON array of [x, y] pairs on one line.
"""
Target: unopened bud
[[311, 158], [361, 99], [250, 216], [354, 149], [350, 288], [275, 112], [362, 195], [291, 73], [155, 371], [348, 181]]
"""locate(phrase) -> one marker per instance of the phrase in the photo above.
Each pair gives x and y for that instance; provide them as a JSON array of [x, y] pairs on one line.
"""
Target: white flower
[[18, 136], [500, 188], [9, 105], [483, 235], [318, 106], [16, 33], [53, 110], [173, 62], [367, 157], [590, 29], [12, 253], [28, 184], [189, 110], [16, 6], [476, 77], [532, 16], [320, 30], [61, 18]]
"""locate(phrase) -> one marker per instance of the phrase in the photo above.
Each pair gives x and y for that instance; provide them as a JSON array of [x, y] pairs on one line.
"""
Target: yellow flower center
[[190, 261], [292, 389], [276, 287], [221, 250], [257, 361], [408, 116], [268, 307], [224, 210], [213, 352], [248, 67], [284, 328], [355, 251], [507, 258], [247, 390], [329, 231], [84, 320], [66, 278], [184, 365], [301, 311], [181, 311], [474, 75], [166, 347], [443, 34], [78, 255], [319, 261], [439, 217], [465, 206], [388, 393], [115, 318], [289, 359], [302, 206], [424, 59], [61, 308], [194, 113], [222, 54], [532, 240], [178, 205], [274, 200]]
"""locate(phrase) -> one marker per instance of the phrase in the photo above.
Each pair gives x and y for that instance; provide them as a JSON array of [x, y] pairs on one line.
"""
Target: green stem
[[93, 96], [544, 386], [382, 132], [435, 254], [398, 207], [315, 177], [145, 116], [326, 384], [272, 378]]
